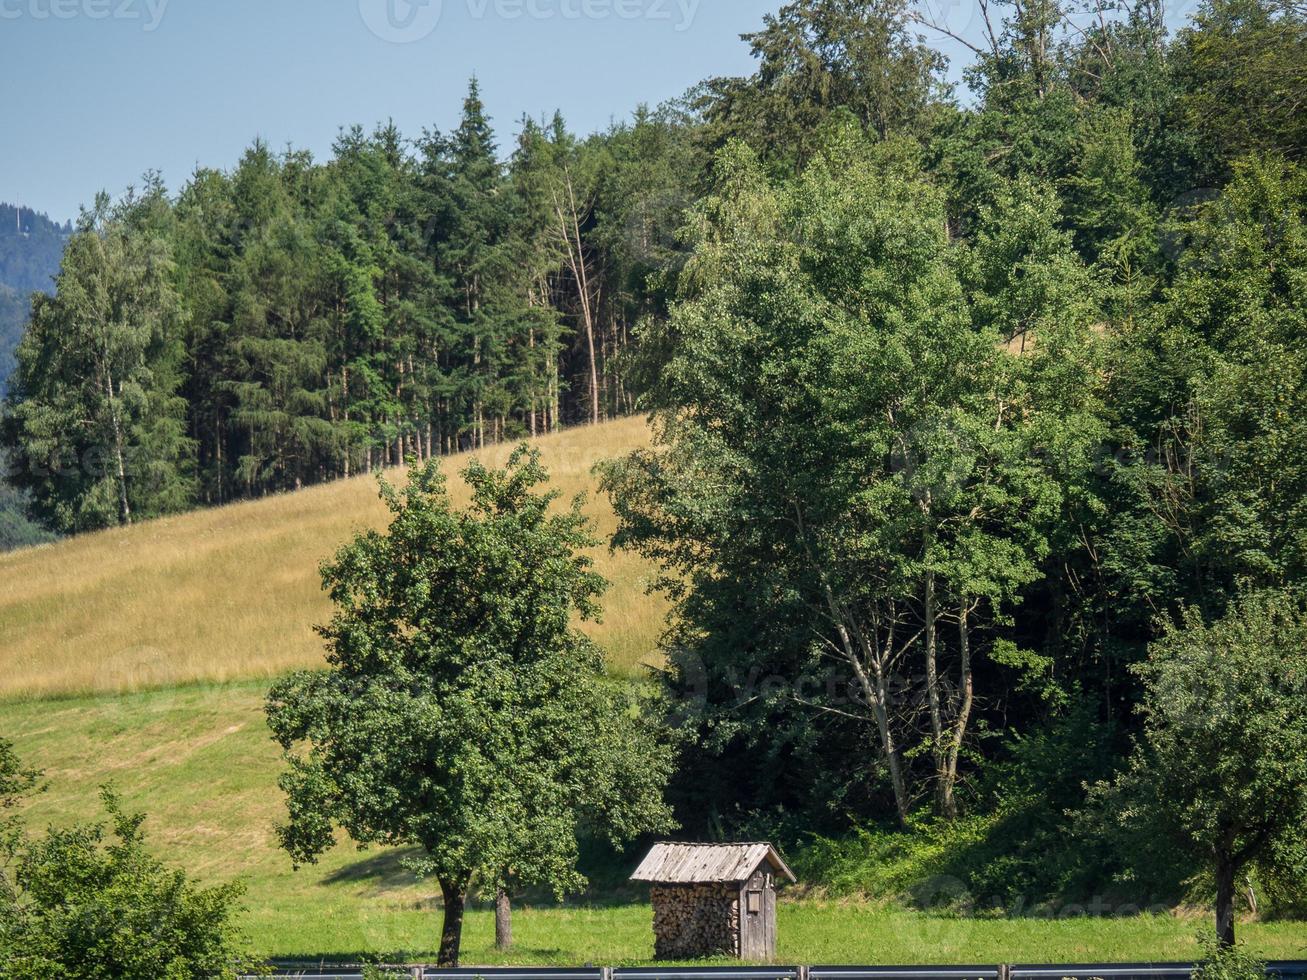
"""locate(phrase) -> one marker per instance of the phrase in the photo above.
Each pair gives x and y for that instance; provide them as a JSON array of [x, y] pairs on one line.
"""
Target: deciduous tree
[[463, 712]]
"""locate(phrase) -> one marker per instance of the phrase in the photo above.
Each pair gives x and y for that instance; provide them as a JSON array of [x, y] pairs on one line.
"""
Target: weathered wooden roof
[[696, 863]]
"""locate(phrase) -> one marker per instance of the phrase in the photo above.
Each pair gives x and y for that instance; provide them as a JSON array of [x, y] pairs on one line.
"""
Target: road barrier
[[1279, 970]]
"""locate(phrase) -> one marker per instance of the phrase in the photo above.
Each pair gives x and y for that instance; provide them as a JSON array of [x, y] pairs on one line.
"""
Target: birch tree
[[94, 422]]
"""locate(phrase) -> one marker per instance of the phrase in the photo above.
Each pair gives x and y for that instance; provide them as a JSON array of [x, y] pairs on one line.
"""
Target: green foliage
[[1240, 66], [1023, 850], [1222, 763], [16, 529], [464, 713], [956, 401], [1221, 962], [94, 427], [1110, 207], [16, 783], [848, 459], [816, 60], [90, 901], [1212, 386]]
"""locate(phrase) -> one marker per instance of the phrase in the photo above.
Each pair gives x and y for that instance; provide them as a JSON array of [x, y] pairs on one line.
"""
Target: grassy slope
[[233, 593], [199, 761]]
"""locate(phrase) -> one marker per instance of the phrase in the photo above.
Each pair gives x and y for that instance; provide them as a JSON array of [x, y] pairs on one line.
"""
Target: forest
[[979, 416]]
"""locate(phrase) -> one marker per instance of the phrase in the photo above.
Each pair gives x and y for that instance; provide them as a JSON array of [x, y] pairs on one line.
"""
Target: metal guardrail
[[354, 971], [707, 973], [1279, 970], [1283, 969], [903, 973]]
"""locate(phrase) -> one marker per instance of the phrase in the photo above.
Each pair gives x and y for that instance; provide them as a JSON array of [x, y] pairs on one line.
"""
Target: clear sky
[[95, 92]]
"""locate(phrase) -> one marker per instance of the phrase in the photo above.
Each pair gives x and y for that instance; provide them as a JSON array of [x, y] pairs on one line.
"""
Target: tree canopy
[[463, 711], [1222, 763]]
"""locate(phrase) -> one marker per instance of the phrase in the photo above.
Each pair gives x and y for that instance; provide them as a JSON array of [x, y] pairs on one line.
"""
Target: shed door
[[753, 919]]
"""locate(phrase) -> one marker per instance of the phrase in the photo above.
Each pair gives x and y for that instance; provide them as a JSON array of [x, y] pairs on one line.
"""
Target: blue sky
[[94, 92]]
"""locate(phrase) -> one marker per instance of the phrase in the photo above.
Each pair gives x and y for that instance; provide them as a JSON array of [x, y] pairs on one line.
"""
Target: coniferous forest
[[964, 398]]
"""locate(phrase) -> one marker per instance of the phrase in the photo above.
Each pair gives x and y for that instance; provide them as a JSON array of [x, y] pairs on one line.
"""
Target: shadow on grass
[[384, 869], [604, 868]]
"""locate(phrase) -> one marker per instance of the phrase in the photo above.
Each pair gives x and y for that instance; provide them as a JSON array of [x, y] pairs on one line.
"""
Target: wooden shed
[[713, 899]]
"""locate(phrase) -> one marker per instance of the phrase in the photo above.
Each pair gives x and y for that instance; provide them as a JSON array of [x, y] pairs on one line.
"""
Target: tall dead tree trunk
[[569, 221]]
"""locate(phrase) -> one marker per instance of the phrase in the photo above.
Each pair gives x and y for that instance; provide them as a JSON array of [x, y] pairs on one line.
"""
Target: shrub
[[1221, 962], [89, 902]]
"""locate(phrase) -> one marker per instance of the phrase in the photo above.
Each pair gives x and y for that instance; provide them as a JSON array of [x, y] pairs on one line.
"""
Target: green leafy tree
[[1243, 74], [1211, 393], [16, 782], [1227, 962], [847, 463], [1221, 766], [816, 57], [463, 712], [1110, 208], [94, 422], [90, 901]]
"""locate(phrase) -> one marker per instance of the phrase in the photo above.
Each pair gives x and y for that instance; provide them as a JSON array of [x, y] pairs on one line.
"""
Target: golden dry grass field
[[233, 593]]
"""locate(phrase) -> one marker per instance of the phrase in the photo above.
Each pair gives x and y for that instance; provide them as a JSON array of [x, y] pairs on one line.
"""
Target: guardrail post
[[417, 972], [1005, 971], [802, 973]]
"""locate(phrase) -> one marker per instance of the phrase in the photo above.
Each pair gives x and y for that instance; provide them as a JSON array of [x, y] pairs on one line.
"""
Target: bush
[[89, 902], [1022, 846], [1227, 962]]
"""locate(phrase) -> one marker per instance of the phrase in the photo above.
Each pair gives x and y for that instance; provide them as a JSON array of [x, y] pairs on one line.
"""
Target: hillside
[[234, 593], [31, 246], [199, 762]]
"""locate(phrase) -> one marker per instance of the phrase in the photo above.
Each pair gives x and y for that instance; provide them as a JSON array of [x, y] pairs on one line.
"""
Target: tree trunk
[[1225, 875], [451, 933], [580, 272], [503, 920], [864, 656], [124, 508], [932, 691], [948, 798], [891, 749]]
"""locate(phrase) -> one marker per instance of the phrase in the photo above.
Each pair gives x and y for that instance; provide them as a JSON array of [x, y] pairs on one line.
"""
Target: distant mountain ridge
[[31, 250], [13, 318]]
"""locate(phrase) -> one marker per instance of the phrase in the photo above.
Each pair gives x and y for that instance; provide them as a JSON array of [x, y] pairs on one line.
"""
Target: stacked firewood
[[693, 921]]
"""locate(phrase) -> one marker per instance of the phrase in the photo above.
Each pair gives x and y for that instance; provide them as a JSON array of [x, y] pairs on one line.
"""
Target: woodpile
[[713, 899], [696, 920]]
